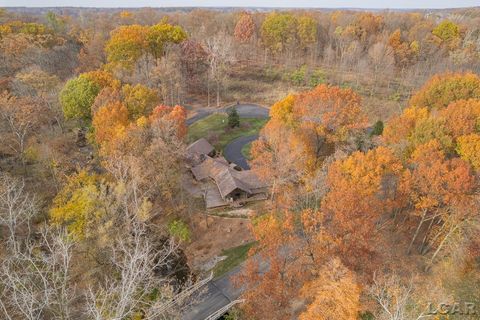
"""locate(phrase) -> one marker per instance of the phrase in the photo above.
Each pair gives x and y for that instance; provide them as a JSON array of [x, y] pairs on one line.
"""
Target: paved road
[[249, 110], [233, 151], [245, 110], [217, 294]]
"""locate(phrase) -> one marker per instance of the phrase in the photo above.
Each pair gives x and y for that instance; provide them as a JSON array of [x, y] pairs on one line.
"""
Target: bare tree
[[17, 208], [394, 298], [36, 280], [219, 48], [21, 116], [137, 261]]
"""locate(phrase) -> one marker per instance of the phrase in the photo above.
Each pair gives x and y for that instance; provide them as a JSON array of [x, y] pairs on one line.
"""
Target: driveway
[[245, 110], [217, 294], [249, 110], [233, 151]]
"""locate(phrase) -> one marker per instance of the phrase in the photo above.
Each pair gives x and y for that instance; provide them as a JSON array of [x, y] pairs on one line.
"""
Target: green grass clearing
[[246, 151], [215, 129], [235, 256]]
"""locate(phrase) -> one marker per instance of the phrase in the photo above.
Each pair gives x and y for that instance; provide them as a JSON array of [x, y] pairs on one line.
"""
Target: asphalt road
[[233, 151], [217, 294], [245, 110], [249, 110]]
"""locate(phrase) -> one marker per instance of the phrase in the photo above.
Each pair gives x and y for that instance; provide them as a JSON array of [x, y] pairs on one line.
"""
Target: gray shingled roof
[[201, 146]]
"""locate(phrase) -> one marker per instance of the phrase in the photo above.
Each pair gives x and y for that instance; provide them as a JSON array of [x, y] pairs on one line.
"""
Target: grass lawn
[[246, 151], [215, 129], [235, 256]]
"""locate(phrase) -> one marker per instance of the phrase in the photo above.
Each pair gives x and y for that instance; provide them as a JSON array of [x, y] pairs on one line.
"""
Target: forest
[[371, 150]]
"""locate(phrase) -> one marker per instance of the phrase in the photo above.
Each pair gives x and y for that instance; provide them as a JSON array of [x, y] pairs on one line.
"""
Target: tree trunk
[[218, 93], [417, 231], [440, 246]]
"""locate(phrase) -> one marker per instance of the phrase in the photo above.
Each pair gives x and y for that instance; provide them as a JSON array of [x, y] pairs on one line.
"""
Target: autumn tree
[[334, 294], [129, 43], [435, 183], [78, 205], [21, 117], [126, 45], [302, 131], [279, 32], [362, 188], [405, 52], [441, 90], [245, 28], [270, 290], [157, 140], [334, 110], [77, 97], [468, 147], [160, 35], [429, 129], [139, 100], [307, 31], [461, 117], [101, 78], [44, 86], [110, 121], [448, 32]]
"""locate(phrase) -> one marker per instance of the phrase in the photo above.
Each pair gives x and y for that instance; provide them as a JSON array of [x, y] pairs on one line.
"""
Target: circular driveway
[[245, 110], [233, 150]]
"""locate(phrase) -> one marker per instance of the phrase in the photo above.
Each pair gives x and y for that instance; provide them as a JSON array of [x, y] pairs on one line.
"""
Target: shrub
[[179, 229]]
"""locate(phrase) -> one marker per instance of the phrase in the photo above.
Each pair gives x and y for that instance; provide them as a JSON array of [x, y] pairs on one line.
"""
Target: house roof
[[226, 182], [251, 179], [208, 166], [201, 146], [219, 170]]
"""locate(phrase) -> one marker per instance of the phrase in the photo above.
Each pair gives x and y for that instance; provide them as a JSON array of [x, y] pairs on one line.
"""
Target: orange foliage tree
[[443, 89], [400, 127], [302, 131], [289, 249], [110, 121], [334, 294], [245, 28], [462, 117], [435, 183], [361, 188]]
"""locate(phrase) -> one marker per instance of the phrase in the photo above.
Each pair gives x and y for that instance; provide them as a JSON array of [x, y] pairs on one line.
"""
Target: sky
[[397, 4]]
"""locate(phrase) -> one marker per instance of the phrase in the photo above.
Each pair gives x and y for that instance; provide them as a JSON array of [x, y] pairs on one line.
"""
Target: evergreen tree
[[233, 118]]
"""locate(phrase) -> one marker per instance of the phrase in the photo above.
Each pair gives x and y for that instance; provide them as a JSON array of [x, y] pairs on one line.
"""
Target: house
[[196, 152], [201, 147], [223, 183]]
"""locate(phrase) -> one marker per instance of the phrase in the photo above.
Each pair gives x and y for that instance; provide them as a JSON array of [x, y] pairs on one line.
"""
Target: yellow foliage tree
[[139, 100], [443, 89], [78, 205], [468, 147]]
